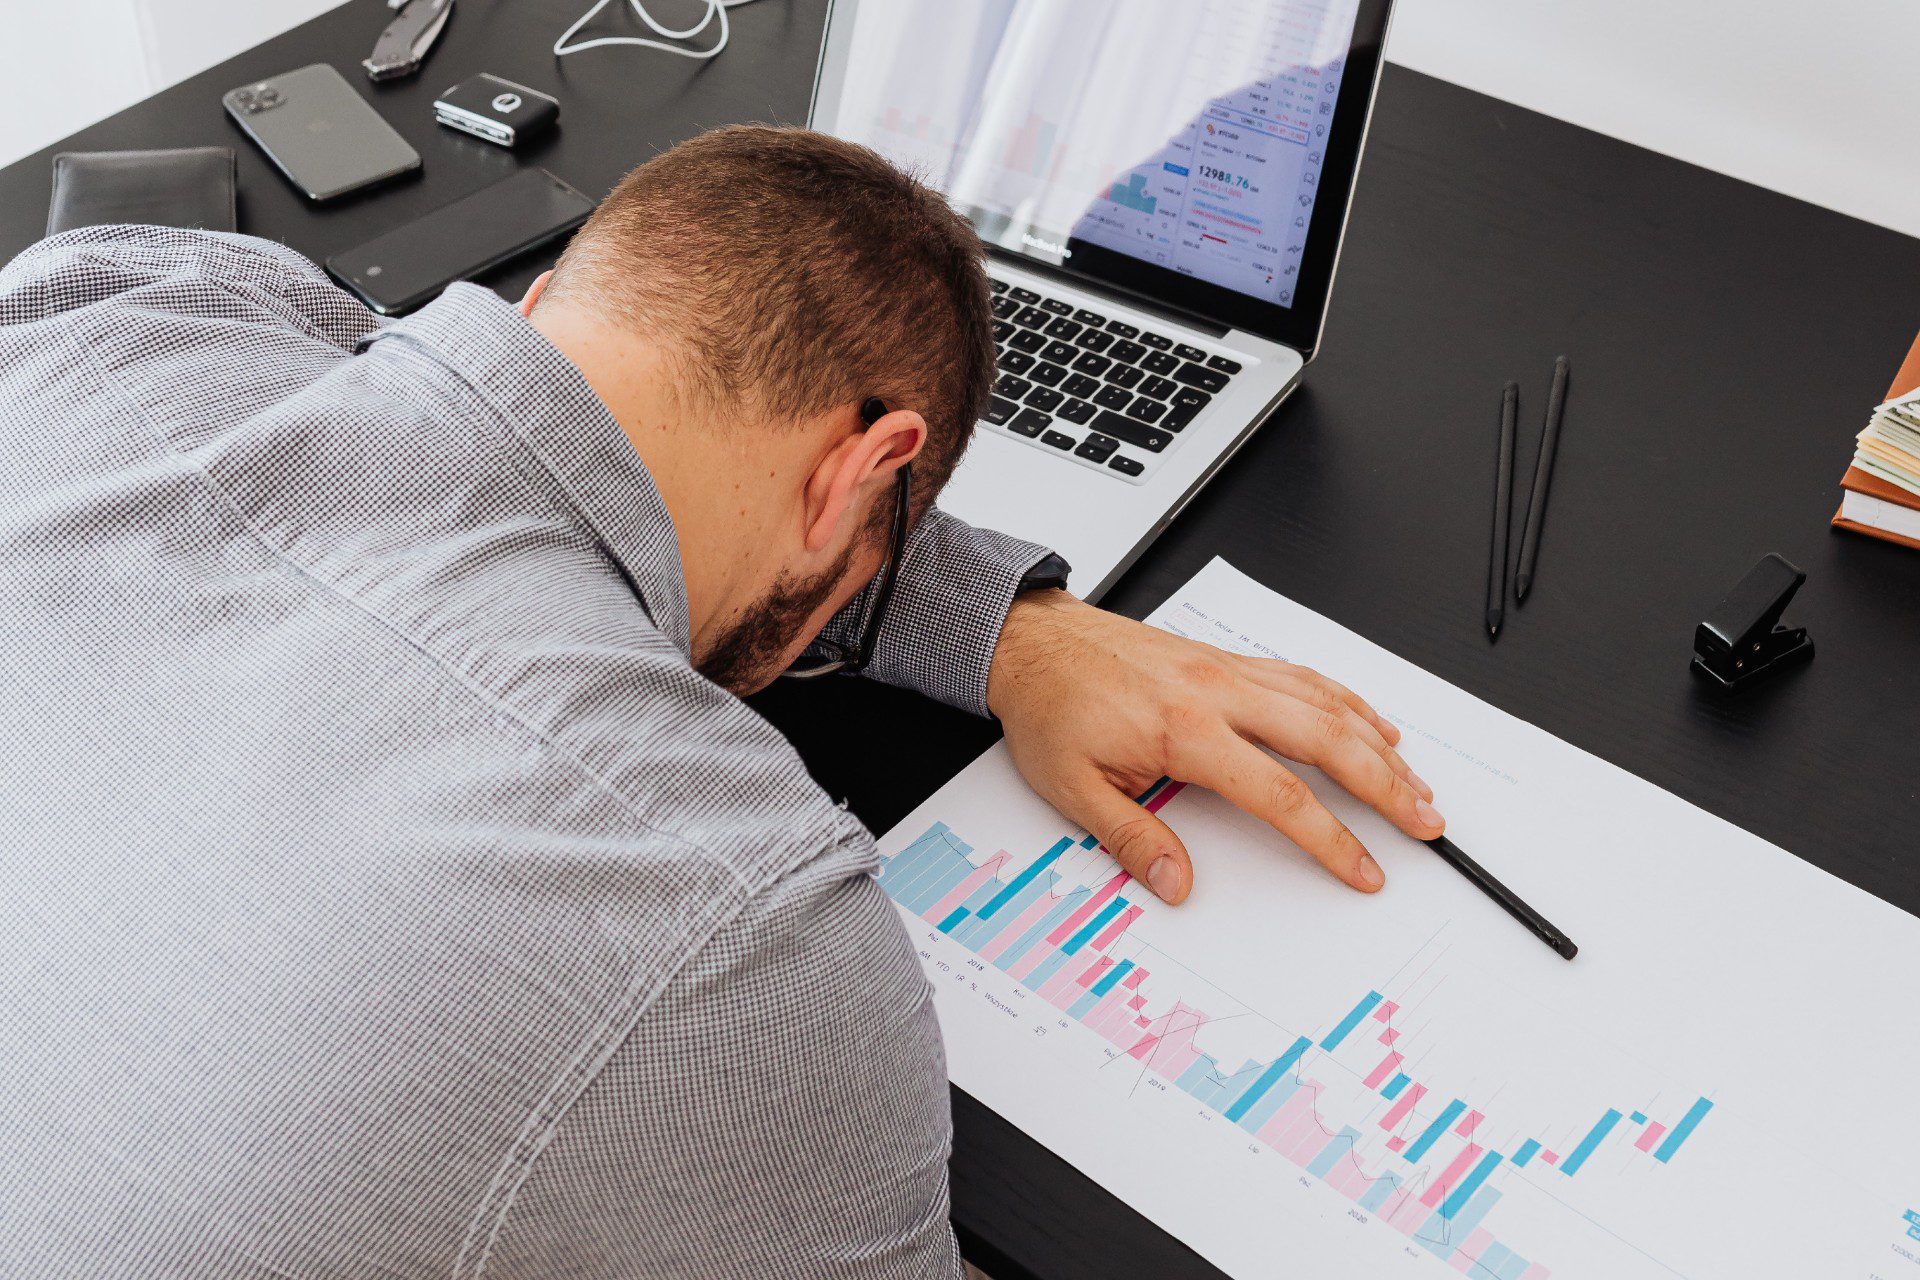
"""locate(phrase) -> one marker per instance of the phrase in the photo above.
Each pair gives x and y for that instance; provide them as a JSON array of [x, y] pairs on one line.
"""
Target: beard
[[751, 654]]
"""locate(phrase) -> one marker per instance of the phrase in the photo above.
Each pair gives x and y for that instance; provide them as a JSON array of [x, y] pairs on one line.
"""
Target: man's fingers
[[1328, 740], [1251, 780], [1142, 844], [1285, 676]]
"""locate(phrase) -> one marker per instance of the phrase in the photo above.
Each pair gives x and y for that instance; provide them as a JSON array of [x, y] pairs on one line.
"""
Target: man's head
[[736, 300]]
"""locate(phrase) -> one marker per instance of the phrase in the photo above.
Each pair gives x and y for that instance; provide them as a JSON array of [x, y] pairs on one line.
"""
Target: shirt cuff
[[950, 600]]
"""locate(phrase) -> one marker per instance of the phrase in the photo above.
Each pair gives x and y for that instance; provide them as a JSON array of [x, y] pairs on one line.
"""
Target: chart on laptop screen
[[1297, 1080], [1189, 135]]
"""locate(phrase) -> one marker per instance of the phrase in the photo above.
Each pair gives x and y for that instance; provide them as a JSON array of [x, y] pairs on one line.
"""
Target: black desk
[[1726, 344]]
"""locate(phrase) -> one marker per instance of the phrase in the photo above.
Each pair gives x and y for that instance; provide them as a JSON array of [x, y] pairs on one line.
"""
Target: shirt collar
[[546, 403]]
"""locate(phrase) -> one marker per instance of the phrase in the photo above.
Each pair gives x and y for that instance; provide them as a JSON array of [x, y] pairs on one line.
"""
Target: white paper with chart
[[1298, 1080]]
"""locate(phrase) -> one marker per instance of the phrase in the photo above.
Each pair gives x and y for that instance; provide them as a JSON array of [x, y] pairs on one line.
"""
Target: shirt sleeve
[[86, 265], [950, 600], [780, 1111]]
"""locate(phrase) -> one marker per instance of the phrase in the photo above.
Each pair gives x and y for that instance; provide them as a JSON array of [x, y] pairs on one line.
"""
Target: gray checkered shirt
[[384, 894]]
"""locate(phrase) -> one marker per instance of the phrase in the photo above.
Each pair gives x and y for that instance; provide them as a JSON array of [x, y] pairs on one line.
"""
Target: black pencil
[[1542, 478], [1484, 881], [1502, 513]]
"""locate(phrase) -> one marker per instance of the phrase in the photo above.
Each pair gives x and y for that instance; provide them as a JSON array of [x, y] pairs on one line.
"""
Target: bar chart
[[1411, 1157]]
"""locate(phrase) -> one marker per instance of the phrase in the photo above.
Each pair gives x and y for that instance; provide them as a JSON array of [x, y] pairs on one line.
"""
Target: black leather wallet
[[190, 187]]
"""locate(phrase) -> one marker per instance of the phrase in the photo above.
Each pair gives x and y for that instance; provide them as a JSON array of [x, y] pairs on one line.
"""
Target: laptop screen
[[1186, 149]]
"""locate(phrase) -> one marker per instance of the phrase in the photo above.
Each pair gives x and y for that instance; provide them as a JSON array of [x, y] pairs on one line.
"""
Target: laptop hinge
[[1134, 298]]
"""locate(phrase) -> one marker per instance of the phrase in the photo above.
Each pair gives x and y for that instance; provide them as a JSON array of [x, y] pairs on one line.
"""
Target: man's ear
[[856, 461], [534, 291]]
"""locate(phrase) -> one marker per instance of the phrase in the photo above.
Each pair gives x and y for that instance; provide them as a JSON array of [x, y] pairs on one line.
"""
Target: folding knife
[[403, 46]]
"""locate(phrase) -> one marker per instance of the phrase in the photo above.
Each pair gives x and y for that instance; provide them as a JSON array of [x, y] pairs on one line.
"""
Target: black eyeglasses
[[836, 656]]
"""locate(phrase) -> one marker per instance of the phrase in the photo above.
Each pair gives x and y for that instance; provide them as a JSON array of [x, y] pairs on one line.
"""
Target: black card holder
[[190, 187]]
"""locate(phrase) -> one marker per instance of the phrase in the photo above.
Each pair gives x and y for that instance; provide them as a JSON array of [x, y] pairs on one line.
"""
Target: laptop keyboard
[[1102, 392]]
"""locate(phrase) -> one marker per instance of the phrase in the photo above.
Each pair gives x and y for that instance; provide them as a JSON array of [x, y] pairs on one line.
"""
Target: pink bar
[[1071, 925], [1402, 1105], [1455, 1171], [1389, 1036], [1133, 980], [1309, 1143], [1137, 1002], [1535, 1272], [1096, 971], [1109, 1020], [1409, 1214], [1029, 962], [1143, 1021], [1167, 1046], [1296, 1106], [1469, 1253], [1550, 1157], [1396, 1142], [1386, 1009], [1059, 988], [1167, 793], [1346, 1178], [1113, 930], [1381, 1072], [1652, 1135], [1468, 1123], [965, 889], [1018, 929]]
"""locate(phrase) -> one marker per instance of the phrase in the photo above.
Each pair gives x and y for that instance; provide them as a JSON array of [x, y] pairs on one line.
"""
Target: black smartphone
[[409, 266], [317, 131]]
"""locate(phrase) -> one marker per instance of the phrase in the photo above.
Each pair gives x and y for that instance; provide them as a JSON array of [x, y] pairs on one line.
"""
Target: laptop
[[1162, 186]]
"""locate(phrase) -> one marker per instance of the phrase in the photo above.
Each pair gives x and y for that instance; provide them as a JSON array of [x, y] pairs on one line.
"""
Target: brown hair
[[794, 272]]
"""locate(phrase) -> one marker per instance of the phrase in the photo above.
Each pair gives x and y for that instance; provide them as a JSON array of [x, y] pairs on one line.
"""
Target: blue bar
[[1352, 1020], [979, 931], [1171, 167], [1513, 1267], [1693, 1117], [1571, 1165], [1112, 979], [1263, 1110], [1197, 1076], [1044, 970], [1280, 1067], [1377, 1194], [1489, 1263], [1235, 1085], [971, 905], [1463, 1191], [1638, 1117], [1090, 842], [1395, 1085], [1440, 1237], [1026, 877], [1337, 1146], [1041, 927], [1083, 1006], [1095, 925], [1434, 1130], [928, 889], [904, 867], [1525, 1153], [955, 917]]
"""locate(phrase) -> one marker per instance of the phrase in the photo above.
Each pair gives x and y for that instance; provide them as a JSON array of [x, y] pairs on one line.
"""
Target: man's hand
[[1097, 707]]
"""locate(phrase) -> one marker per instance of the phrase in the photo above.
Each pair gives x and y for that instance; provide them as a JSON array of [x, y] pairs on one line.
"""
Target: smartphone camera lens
[[258, 98]]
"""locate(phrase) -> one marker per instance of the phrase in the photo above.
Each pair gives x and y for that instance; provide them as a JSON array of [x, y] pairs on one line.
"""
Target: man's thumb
[[1142, 844]]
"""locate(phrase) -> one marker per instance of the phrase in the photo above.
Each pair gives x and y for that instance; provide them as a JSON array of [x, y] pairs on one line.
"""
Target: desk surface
[[1726, 344]]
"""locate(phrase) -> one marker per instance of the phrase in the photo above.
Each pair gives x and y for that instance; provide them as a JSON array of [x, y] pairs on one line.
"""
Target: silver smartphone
[[319, 132]]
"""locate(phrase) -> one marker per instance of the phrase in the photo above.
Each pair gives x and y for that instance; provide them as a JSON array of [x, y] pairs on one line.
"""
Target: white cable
[[715, 9]]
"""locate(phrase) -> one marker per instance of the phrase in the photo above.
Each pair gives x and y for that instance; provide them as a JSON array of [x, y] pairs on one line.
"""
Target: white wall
[[67, 63], [1816, 98]]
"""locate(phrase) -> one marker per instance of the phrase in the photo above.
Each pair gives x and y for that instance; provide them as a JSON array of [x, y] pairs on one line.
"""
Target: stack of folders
[[1882, 498]]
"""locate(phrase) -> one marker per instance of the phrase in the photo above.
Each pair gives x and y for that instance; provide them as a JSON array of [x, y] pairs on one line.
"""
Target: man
[[395, 884]]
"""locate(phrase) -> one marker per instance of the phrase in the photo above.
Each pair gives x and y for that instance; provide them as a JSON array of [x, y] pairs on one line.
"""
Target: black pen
[[1502, 513], [1483, 880], [1542, 478]]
